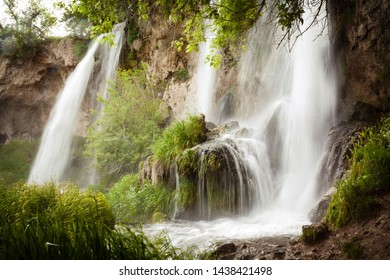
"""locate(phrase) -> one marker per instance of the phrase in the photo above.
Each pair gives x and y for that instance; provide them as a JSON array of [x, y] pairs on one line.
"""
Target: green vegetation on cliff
[[227, 19], [367, 178]]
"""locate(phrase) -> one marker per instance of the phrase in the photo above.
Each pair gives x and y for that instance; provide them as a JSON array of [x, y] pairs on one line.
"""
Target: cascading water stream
[[54, 152], [287, 99], [206, 77]]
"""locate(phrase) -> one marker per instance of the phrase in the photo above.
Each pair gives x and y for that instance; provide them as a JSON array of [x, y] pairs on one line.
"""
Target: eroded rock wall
[[28, 89], [361, 38]]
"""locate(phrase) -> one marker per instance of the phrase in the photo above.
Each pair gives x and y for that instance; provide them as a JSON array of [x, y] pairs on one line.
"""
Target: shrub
[[60, 222], [16, 158], [178, 137], [134, 202], [123, 135], [368, 176]]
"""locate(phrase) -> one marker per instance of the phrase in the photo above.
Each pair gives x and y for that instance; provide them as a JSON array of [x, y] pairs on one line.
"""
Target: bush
[[60, 222], [178, 137], [368, 176], [16, 158], [122, 137], [133, 202]]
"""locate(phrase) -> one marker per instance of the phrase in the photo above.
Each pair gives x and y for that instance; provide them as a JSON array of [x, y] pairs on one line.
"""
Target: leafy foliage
[[122, 136], [179, 137], [134, 202], [228, 20], [368, 176], [16, 158], [24, 28], [59, 222]]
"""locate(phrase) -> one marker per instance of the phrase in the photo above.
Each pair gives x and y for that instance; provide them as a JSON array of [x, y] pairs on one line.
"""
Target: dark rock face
[[361, 40], [3, 138], [334, 163]]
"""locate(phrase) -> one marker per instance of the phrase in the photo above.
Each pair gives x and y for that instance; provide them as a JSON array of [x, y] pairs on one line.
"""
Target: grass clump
[[16, 158], [60, 222], [352, 249], [181, 75], [368, 176], [178, 137], [133, 201]]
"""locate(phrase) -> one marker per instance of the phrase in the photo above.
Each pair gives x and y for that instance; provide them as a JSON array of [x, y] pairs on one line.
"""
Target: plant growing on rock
[[368, 176], [178, 137]]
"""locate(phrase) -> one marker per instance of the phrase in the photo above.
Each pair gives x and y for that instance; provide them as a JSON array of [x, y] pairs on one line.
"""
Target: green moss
[[309, 235], [188, 194], [188, 162], [368, 176]]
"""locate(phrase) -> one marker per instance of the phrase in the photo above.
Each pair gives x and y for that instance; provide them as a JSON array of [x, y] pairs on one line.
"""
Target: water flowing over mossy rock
[[212, 179]]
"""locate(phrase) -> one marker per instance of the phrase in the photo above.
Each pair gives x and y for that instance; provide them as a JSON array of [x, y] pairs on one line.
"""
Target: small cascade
[[232, 179], [54, 153]]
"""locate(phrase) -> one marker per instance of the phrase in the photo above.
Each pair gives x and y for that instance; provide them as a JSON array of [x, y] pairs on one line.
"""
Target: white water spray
[[54, 152]]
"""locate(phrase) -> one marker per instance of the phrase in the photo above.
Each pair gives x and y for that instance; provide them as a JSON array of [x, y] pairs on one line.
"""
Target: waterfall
[[205, 78], [55, 149], [287, 100], [291, 109]]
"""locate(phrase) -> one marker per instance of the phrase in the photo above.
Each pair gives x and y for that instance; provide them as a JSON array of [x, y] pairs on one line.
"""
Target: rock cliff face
[[154, 46], [362, 44], [28, 88]]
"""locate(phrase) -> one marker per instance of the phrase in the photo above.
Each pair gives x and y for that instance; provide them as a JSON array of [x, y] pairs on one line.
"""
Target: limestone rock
[[28, 88]]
